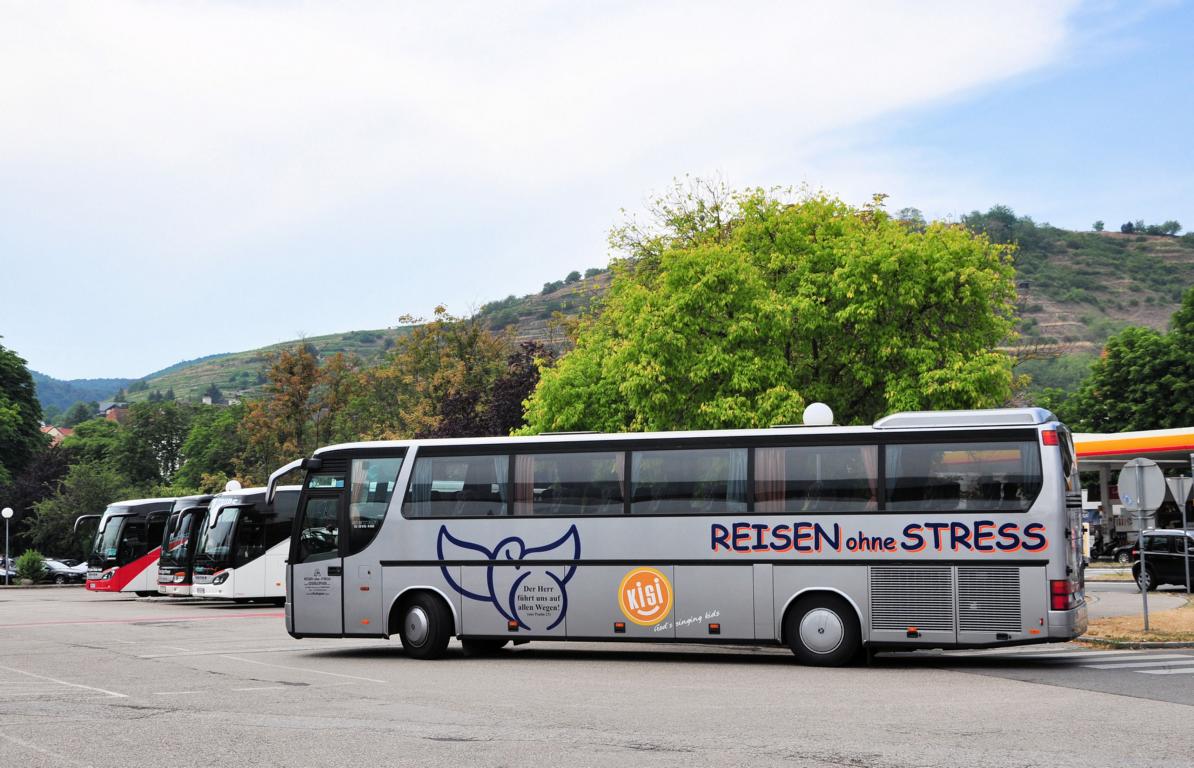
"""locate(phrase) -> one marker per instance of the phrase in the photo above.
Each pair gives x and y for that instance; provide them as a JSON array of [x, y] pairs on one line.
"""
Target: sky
[[186, 178]]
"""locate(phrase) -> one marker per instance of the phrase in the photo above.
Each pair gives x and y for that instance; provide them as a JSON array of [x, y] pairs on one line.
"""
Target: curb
[[1131, 644]]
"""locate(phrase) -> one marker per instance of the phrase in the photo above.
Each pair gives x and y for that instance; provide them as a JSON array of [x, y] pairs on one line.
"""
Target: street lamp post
[[7, 514]]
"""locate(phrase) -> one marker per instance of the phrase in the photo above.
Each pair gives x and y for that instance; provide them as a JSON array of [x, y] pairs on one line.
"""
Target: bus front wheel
[[426, 626], [823, 631]]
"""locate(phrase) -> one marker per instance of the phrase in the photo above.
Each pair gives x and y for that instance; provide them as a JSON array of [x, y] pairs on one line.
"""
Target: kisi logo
[[645, 596]]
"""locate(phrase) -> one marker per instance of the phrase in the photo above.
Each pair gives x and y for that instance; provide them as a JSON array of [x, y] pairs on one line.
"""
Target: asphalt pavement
[[99, 680]]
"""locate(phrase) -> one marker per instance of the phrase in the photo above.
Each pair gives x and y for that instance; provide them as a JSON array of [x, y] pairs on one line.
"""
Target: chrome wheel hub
[[417, 626], [822, 630]]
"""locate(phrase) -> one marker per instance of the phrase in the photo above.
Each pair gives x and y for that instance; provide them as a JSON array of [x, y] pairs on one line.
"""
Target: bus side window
[[250, 538], [458, 486], [132, 543], [569, 483], [688, 482], [372, 485]]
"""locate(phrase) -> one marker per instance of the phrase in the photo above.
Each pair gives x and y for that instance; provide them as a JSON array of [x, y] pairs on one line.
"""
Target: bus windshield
[[179, 547], [107, 538], [216, 546]]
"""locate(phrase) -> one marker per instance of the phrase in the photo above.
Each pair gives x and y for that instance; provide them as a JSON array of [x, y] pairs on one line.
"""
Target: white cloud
[[162, 131]]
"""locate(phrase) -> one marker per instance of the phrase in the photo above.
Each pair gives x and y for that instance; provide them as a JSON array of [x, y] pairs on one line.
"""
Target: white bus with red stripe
[[178, 545], [124, 553]]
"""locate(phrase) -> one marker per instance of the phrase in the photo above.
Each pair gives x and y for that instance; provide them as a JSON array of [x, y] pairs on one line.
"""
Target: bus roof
[[991, 418]]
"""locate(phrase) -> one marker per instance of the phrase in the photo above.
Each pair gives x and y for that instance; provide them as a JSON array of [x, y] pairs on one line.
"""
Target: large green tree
[[736, 310], [1143, 380], [20, 416]]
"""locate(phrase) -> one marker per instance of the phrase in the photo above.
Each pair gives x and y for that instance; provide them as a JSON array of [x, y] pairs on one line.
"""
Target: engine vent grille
[[989, 600], [903, 597]]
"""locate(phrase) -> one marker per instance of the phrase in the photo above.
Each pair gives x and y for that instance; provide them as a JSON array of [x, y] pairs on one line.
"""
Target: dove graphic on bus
[[645, 596]]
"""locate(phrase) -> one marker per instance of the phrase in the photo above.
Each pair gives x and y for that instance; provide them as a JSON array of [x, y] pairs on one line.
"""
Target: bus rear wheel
[[823, 631], [426, 626]]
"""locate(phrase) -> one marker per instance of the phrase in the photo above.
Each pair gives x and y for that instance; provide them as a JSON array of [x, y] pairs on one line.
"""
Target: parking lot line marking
[[1155, 661], [63, 682], [42, 750], [1180, 671], [303, 669]]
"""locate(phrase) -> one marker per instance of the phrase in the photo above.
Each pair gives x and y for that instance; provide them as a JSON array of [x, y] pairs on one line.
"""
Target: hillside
[[61, 394], [1075, 290]]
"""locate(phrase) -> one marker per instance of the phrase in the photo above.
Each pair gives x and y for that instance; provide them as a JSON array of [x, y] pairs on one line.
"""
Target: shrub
[[31, 565]]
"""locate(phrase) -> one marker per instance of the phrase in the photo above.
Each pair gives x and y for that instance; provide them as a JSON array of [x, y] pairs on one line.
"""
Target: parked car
[[59, 572], [1164, 558]]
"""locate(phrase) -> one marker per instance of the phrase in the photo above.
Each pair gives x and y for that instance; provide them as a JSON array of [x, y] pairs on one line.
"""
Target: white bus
[[935, 529], [242, 546], [124, 553]]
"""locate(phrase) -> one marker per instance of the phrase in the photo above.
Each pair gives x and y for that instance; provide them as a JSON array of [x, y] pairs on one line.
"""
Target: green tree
[[1098, 225], [95, 440], [149, 444], [212, 449], [573, 277], [738, 310], [80, 412], [20, 416], [440, 369], [88, 488], [1143, 380]]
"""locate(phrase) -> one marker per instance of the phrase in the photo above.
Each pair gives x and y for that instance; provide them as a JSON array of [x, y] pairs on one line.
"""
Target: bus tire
[[475, 646], [823, 631], [425, 626]]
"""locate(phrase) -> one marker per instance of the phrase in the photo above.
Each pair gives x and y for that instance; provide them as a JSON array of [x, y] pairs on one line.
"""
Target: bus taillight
[[1049, 437], [1062, 594]]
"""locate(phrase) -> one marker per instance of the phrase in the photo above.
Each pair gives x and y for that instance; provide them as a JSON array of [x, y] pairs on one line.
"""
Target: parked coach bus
[[124, 554], [242, 545], [934, 529], [178, 545]]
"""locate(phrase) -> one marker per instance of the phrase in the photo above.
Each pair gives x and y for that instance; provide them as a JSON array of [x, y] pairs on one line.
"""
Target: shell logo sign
[[645, 596]]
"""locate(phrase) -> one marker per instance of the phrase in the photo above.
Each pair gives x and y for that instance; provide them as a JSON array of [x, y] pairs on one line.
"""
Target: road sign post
[[1142, 489]]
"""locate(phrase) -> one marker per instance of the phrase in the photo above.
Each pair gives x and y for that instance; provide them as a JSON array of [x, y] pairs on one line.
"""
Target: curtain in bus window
[[973, 476], [372, 485], [524, 485], [418, 498], [770, 479]]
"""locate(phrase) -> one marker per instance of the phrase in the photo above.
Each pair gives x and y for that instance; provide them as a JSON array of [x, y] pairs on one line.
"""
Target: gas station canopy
[[1164, 446]]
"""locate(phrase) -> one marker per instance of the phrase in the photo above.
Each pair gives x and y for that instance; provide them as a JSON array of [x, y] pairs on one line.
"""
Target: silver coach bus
[[934, 529]]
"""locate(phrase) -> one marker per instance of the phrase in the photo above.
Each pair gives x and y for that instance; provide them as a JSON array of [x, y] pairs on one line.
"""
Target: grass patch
[[1176, 624]]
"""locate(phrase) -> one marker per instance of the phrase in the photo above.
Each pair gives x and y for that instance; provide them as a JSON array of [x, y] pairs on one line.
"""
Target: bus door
[[371, 487], [316, 558]]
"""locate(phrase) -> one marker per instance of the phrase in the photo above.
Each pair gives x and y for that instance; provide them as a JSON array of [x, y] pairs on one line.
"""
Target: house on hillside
[[113, 411], [57, 434]]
